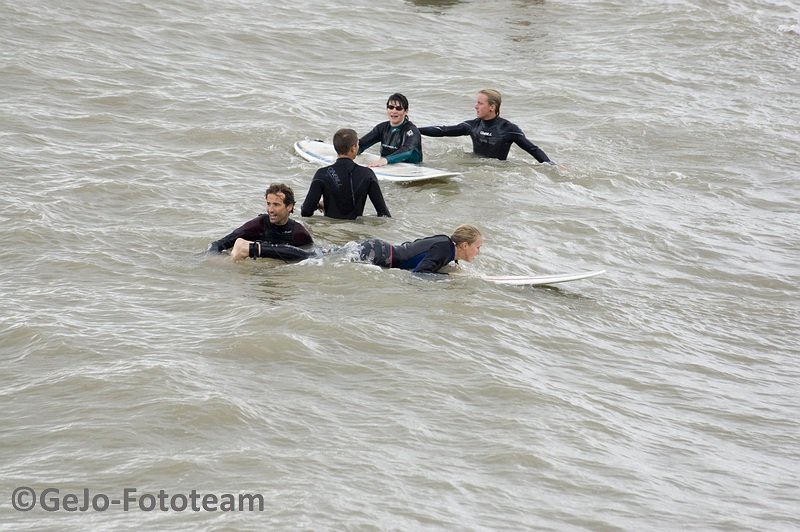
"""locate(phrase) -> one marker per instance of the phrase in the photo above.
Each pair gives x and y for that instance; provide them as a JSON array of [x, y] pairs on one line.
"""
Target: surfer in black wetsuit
[[344, 186], [399, 137], [271, 235], [491, 135], [424, 255]]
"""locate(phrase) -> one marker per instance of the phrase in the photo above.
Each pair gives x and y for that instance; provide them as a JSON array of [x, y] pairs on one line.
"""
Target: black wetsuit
[[399, 144], [276, 241], [424, 255], [344, 187], [490, 138]]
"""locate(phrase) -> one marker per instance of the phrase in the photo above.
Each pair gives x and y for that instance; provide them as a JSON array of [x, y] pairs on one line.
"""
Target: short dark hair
[[277, 188], [344, 139], [397, 97]]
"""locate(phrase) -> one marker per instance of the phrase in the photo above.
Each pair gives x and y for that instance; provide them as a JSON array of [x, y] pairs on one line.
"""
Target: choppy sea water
[[662, 395]]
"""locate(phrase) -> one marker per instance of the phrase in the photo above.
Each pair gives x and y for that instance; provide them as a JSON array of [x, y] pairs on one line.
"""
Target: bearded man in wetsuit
[[345, 185], [399, 137], [492, 136], [270, 235], [424, 255]]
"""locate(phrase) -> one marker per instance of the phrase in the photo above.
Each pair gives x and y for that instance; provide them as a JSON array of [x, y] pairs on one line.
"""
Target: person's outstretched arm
[[523, 142], [243, 248], [369, 139], [249, 230], [513, 133], [458, 130]]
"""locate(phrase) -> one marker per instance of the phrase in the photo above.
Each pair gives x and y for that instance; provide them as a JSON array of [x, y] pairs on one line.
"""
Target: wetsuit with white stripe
[[490, 138], [399, 144]]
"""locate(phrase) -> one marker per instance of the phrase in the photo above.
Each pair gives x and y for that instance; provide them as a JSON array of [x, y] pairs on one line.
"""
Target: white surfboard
[[324, 154], [532, 280]]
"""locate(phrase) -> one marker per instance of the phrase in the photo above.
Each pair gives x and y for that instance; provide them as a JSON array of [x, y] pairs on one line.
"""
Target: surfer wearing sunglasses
[[400, 139]]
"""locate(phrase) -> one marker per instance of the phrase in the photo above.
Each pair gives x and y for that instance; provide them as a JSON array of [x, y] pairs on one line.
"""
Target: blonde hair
[[493, 97], [465, 233]]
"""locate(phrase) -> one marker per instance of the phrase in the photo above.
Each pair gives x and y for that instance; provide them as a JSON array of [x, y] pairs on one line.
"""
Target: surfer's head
[[397, 100], [344, 140], [280, 203], [397, 109], [468, 240], [280, 188], [488, 98]]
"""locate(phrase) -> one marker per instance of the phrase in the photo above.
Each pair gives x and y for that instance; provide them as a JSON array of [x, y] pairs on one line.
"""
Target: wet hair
[[493, 97], [397, 97], [344, 139], [465, 233], [286, 190]]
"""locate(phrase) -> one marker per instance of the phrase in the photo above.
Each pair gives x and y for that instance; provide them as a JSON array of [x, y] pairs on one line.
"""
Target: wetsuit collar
[[401, 124], [454, 250], [284, 226]]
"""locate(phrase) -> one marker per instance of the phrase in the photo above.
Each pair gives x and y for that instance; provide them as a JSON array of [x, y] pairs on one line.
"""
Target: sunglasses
[[395, 107]]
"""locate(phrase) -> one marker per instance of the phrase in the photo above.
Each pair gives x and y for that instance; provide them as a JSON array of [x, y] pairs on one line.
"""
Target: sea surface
[[663, 395]]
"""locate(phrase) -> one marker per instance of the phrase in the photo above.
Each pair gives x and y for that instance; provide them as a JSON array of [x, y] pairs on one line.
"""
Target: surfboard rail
[[533, 280]]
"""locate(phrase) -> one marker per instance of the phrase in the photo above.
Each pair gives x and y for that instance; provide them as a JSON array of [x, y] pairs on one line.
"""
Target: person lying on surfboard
[[345, 185], [273, 235], [424, 255], [399, 137], [492, 136]]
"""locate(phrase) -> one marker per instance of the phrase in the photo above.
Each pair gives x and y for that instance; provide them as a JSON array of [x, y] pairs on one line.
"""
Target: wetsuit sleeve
[[523, 142], [534, 150], [312, 198], [369, 139], [410, 150], [249, 231], [284, 252], [436, 258], [301, 236], [376, 197], [458, 130]]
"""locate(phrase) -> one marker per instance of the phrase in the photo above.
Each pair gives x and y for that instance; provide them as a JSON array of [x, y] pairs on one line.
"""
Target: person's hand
[[321, 207], [379, 162], [241, 249], [560, 168]]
